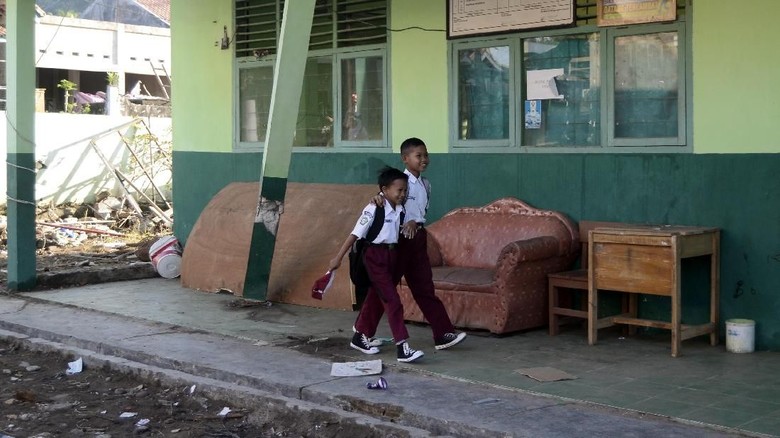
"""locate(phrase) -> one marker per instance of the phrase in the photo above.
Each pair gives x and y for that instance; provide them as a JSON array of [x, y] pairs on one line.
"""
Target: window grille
[[336, 24]]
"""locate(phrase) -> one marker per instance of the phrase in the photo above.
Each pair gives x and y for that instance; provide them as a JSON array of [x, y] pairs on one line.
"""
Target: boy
[[380, 259], [412, 251]]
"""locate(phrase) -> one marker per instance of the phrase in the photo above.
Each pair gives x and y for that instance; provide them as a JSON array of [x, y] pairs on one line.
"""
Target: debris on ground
[[101, 402], [105, 234]]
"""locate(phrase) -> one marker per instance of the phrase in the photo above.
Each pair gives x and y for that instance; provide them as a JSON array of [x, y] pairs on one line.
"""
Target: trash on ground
[[546, 374], [128, 414], [224, 411], [379, 384], [75, 367]]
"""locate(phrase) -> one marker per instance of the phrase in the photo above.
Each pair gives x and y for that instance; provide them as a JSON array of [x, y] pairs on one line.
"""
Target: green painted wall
[[738, 193], [418, 72], [202, 98], [735, 70]]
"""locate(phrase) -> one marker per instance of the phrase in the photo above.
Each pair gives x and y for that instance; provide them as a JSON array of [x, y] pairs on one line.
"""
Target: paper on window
[[541, 84]]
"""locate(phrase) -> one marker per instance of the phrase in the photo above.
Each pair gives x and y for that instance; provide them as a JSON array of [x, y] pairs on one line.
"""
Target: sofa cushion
[[475, 239], [471, 279]]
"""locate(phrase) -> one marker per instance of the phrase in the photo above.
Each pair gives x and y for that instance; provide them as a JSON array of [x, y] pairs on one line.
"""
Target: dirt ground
[[40, 399]]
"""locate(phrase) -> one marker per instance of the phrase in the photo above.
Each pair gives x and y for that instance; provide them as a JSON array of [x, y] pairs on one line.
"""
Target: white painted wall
[[73, 170], [76, 44]]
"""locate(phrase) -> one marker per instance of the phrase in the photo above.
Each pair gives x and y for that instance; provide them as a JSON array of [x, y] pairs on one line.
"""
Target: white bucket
[[740, 335], [166, 256]]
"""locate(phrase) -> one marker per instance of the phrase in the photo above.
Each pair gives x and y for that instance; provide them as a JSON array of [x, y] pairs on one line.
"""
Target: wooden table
[[646, 260]]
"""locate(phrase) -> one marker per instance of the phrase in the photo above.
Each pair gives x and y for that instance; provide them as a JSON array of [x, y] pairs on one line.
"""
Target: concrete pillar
[[285, 97], [20, 128]]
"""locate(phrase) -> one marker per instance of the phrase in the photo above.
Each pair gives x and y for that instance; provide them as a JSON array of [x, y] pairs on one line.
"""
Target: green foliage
[[113, 78], [67, 85]]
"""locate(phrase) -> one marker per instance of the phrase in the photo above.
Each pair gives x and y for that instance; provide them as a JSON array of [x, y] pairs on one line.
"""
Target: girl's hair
[[409, 143], [389, 174]]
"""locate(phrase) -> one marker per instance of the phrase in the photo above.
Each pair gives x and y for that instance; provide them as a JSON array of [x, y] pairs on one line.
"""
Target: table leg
[[633, 300], [676, 316], [593, 313], [715, 287]]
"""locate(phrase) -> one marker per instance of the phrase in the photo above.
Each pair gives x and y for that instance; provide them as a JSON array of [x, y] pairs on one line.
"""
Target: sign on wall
[[620, 12], [473, 17]]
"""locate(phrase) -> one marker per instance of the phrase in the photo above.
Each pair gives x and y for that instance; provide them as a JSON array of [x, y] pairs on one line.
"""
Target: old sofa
[[490, 264]]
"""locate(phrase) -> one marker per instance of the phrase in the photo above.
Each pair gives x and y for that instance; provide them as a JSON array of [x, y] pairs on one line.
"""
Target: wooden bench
[[569, 281]]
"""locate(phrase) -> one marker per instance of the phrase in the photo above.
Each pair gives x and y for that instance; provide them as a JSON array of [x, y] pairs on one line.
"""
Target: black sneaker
[[449, 339], [407, 353], [361, 343], [374, 342]]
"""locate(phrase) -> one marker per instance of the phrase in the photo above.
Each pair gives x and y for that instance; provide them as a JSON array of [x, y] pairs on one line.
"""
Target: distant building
[[89, 38]]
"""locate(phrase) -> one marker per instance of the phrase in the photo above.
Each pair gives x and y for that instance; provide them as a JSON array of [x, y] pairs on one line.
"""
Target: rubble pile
[[76, 238]]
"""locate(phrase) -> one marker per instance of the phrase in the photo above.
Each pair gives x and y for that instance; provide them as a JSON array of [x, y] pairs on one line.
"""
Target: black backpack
[[357, 268]]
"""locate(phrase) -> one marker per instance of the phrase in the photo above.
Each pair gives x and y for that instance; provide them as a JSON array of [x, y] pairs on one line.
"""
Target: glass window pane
[[315, 113], [562, 86], [646, 89], [255, 96], [362, 99], [483, 93]]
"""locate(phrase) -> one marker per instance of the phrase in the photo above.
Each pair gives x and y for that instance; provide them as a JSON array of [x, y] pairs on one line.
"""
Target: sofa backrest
[[474, 237]]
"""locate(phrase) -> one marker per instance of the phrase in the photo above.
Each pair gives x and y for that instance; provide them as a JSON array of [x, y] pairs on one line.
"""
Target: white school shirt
[[390, 229], [416, 198]]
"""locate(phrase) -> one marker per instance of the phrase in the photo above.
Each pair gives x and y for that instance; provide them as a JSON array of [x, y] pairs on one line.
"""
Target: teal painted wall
[[738, 193]]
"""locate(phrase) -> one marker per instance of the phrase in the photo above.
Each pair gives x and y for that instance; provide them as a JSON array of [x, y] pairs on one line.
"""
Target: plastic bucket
[[740, 335], [165, 255]]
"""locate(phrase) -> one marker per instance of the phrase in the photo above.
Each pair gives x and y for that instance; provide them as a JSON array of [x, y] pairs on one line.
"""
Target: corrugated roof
[[160, 8]]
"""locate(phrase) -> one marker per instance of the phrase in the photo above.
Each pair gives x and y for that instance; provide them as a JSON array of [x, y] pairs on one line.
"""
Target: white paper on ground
[[128, 414], [224, 411], [362, 368], [75, 367]]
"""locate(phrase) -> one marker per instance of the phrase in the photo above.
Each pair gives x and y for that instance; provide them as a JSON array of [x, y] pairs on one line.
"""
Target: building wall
[[418, 72], [70, 171], [75, 44], [735, 87], [729, 182]]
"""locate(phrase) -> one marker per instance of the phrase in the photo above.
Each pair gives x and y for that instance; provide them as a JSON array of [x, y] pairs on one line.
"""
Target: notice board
[[474, 17]]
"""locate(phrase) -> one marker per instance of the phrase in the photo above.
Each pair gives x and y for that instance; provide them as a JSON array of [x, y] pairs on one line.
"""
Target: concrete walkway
[[282, 355]]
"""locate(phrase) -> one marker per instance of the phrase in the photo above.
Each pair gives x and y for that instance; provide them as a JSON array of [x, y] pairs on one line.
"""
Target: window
[[343, 101], [646, 89], [579, 88], [484, 74], [572, 117]]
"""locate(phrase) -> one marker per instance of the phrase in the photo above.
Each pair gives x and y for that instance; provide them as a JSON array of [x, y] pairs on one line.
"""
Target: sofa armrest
[[538, 248]]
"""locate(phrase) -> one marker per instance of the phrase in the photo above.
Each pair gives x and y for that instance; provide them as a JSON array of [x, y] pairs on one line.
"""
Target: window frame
[[338, 120], [337, 54], [608, 144], [680, 139], [453, 99]]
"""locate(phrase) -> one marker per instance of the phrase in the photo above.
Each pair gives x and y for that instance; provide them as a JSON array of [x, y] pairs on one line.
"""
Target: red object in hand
[[322, 285]]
